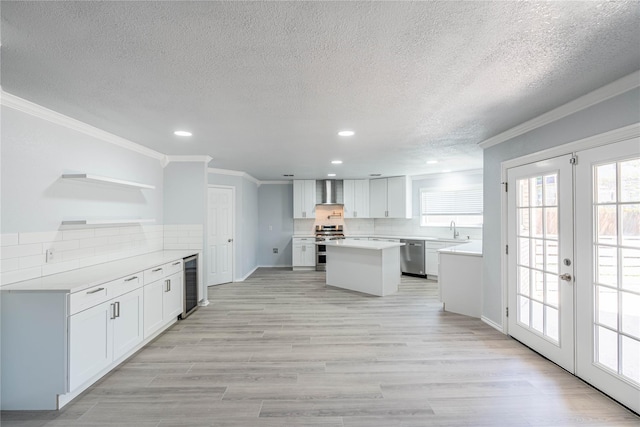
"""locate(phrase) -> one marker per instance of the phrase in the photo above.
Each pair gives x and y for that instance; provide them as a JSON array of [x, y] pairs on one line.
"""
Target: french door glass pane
[[631, 269], [617, 263], [631, 225], [607, 225], [608, 348], [607, 307], [606, 183], [631, 359], [630, 314], [630, 181], [538, 254], [607, 265]]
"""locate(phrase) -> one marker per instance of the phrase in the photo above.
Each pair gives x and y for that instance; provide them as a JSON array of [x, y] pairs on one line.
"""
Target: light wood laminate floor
[[282, 349]]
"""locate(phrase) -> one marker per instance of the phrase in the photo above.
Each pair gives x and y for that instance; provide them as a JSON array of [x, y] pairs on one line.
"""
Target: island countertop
[[473, 248], [376, 245]]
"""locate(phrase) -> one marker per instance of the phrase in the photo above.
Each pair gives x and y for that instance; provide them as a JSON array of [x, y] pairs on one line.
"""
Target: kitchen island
[[371, 267], [460, 278]]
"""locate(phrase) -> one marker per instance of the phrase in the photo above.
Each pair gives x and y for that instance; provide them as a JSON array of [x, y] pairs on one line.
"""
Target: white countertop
[[83, 278], [375, 236], [361, 244], [473, 248]]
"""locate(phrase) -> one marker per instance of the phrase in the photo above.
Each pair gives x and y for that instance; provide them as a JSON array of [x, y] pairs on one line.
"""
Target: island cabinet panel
[[390, 197], [356, 198], [304, 198]]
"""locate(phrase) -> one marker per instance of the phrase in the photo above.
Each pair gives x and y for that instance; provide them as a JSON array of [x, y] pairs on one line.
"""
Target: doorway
[[220, 235], [573, 264]]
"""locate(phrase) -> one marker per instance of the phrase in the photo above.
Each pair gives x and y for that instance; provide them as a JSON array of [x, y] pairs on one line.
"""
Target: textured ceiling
[[265, 86]]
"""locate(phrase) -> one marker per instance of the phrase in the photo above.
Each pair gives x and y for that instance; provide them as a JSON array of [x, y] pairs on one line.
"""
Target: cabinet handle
[[176, 263], [355, 214], [157, 269], [131, 278], [117, 308], [95, 290], [386, 213], [113, 310], [167, 284]]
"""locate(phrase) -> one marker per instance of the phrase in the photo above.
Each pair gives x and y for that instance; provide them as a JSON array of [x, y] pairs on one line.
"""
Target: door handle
[[566, 277], [229, 240]]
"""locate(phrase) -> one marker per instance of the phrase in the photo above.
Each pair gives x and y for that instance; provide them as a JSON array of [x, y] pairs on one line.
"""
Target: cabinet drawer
[[124, 285], [88, 298], [173, 267], [155, 273]]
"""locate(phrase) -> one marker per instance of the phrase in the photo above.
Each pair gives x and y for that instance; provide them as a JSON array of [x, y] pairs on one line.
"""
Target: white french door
[[220, 236], [608, 269], [579, 213], [540, 267]]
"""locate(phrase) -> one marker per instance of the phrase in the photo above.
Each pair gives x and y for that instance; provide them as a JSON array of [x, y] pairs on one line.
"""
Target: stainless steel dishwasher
[[412, 257]]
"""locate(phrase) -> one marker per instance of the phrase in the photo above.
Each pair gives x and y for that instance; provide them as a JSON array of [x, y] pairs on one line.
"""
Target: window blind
[[453, 202]]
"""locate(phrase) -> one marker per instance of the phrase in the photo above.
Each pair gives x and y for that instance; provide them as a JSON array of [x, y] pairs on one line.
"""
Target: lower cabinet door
[[127, 326], [153, 295], [172, 297], [90, 343]]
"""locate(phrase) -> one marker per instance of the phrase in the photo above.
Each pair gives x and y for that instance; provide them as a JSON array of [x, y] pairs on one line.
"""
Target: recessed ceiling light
[[446, 171], [288, 174], [346, 133], [336, 162], [331, 174], [432, 162], [375, 174], [182, 133]]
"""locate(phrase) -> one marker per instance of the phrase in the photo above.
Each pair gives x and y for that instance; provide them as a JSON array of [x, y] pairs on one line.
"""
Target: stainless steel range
[[323, 233]]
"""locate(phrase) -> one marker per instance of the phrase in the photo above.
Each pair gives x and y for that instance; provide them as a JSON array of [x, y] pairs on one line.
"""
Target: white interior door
[[540, 258], [608, 269], [220, 236]]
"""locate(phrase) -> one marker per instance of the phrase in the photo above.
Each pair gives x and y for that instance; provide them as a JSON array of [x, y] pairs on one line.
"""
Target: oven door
[[321, 256]]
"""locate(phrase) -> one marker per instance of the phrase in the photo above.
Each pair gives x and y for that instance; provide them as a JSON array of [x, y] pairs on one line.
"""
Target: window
[[439, 208]]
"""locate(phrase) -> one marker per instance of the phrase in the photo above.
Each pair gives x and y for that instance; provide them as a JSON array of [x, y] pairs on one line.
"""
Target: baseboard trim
[[242, 279], [493, 324]]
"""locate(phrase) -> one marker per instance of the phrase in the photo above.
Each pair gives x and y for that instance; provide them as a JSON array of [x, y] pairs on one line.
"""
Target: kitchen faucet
[[453, 226]]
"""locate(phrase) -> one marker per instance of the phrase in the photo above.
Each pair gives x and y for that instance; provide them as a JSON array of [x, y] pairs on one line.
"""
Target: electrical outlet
[[49, 255], [275, 250]]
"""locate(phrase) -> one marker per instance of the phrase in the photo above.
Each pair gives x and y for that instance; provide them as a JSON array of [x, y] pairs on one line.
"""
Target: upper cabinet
[[356, 198], [390, 197], [304, 198]]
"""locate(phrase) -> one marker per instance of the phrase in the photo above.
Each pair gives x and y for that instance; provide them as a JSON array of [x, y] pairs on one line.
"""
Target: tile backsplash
[[25, 256]]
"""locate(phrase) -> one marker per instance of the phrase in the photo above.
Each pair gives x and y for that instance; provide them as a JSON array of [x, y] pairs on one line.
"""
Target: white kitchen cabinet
[[163, 298], [60, 335], [390, 197], [172, 297], [304, 198], [356, 198], [431, 253], [103, 334], [90, 343], [304, 253]]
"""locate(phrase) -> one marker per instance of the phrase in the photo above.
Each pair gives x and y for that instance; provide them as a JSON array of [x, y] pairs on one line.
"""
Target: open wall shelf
[[86, 177]]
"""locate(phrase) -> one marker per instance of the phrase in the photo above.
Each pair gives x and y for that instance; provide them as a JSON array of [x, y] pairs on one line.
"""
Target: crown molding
[[620, 86], [35, 110], [195, 158], [234, 173]]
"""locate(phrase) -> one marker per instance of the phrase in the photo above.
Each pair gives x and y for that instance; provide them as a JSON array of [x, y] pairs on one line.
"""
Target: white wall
[[611, 114], [275, 224], [35, 200]]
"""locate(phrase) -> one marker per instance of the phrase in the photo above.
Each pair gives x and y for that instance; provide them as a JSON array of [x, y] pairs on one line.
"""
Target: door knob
[[565, 276], [229, 240]]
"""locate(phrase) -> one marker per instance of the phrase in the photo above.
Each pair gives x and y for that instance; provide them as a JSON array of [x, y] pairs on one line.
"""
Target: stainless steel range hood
[[329, 192]]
